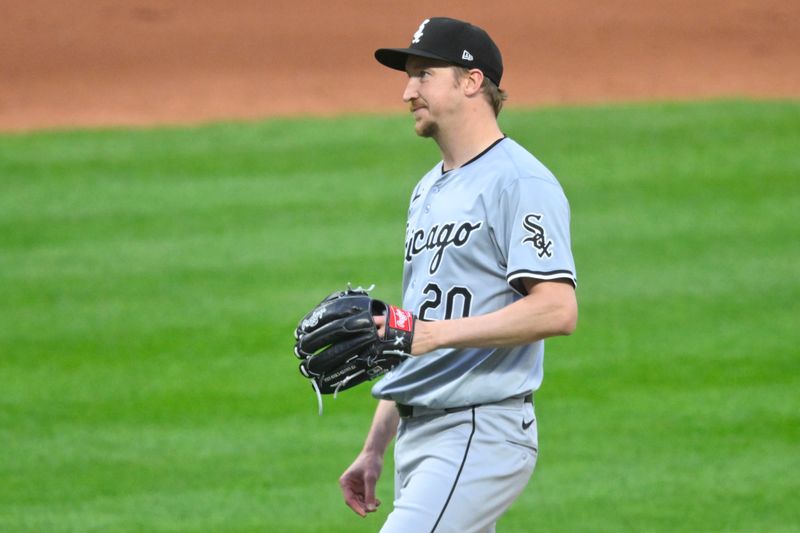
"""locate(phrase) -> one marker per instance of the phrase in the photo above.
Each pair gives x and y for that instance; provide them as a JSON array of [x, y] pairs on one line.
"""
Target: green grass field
[[150, 281]]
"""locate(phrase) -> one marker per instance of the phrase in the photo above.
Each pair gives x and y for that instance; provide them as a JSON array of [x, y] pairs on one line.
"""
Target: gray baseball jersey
[[473, 234]]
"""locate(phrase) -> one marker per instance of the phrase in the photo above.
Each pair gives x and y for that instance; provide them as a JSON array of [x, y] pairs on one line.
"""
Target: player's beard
[[428, 129], [424, 126]]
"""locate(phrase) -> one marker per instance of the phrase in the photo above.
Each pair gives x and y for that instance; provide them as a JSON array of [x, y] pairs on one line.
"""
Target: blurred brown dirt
[[141, 62]]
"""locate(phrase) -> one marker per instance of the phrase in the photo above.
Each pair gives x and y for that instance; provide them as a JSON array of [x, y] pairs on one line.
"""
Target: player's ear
[[473, 82]]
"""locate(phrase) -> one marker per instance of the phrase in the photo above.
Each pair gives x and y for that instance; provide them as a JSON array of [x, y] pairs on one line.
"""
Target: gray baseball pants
[[458, 472]]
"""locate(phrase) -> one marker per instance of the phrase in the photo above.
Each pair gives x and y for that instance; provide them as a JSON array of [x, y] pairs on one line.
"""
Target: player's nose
[[411, 91]]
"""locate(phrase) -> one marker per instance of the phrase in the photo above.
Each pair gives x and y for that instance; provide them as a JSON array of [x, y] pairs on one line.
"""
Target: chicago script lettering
[[438, 238]]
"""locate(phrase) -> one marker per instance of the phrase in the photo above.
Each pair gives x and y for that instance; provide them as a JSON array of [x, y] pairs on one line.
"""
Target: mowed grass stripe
[[150, 281]]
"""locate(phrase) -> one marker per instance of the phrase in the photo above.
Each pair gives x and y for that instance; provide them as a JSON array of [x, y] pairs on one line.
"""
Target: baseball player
[[489, 274]]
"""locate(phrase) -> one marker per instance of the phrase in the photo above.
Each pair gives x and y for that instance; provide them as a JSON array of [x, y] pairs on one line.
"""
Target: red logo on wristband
[[400, 318]]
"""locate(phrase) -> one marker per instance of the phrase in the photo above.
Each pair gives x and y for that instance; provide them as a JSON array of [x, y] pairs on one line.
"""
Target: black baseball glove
[[338, 342]]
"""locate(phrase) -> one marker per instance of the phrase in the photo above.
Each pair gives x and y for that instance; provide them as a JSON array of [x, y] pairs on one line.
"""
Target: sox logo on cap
[[418, 33]]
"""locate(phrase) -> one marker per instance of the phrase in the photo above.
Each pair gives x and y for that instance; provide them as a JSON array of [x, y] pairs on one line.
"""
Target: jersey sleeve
[[533, 227]]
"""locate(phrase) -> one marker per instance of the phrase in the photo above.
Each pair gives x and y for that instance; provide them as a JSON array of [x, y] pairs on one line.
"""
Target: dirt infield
[[139, 62]]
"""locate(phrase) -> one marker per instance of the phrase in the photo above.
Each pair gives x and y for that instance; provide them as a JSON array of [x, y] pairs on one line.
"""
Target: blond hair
[[495, 96]]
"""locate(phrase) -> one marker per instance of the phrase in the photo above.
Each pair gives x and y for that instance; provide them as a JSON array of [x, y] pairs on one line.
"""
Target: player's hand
[[358, 483], [380, 323]]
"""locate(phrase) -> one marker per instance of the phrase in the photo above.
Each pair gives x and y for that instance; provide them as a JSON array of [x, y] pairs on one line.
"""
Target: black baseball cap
[[454, 41]]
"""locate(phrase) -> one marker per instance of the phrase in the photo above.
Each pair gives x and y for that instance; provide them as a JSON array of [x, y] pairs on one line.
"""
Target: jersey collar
[[474, 158]]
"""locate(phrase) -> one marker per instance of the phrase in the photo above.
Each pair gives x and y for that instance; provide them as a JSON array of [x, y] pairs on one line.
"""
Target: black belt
[[409, 411]]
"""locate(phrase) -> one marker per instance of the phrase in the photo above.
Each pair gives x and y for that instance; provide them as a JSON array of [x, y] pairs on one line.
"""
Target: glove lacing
[[319, 397], [335, 391]]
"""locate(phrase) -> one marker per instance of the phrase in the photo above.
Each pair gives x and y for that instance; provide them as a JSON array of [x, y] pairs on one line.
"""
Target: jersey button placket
[[434, 190]]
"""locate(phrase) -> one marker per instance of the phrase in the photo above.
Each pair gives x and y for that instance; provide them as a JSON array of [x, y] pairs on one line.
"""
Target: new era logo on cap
[[450, 40]]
